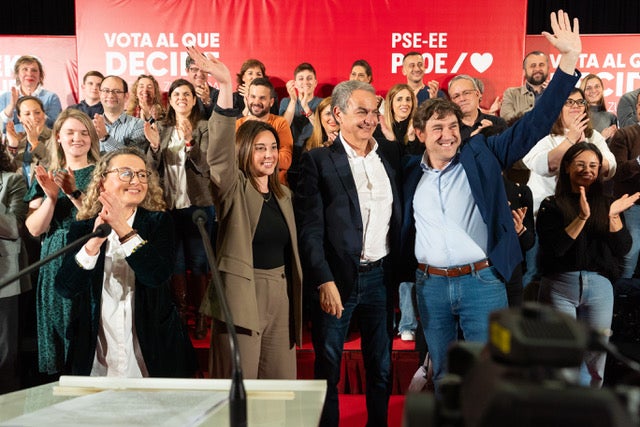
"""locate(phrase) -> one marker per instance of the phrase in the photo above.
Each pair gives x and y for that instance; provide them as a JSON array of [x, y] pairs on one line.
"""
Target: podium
[[269, 402]]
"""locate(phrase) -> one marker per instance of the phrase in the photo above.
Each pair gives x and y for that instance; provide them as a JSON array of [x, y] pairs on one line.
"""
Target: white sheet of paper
[[128, 408]]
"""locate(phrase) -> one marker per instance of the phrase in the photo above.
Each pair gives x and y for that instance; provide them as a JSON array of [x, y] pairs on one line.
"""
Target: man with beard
[[519, 100], [413, 69], [260, 98]]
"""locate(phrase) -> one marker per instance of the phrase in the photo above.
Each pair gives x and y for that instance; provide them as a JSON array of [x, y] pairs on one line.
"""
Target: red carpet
[[353, 410]]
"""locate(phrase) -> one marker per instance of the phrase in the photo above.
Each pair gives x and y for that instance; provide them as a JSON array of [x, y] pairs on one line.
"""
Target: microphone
[[237, 394], [101, 231]]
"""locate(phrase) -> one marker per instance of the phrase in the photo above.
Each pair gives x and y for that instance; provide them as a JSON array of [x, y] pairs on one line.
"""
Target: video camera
[[518, 378]]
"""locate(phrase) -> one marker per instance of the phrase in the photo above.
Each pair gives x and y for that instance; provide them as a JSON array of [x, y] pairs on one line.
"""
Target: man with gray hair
[[464, 91], [348, 212]]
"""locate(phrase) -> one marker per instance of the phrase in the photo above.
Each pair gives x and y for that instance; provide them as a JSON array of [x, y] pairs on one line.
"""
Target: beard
[[263, 111], [537, 79]]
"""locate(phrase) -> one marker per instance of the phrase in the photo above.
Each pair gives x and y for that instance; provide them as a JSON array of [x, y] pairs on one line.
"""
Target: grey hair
[[342, 92], [464, 77]]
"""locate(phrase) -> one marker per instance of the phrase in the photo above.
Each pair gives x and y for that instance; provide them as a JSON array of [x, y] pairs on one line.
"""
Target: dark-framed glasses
[[115, 92], [127, 174], [577, 102]]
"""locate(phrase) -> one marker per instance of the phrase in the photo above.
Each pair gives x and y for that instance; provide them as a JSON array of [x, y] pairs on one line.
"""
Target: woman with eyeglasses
[[145, 100], [125, 323], [582, 238], [54, 199], [178, 151], [257, 243], [572, 126]]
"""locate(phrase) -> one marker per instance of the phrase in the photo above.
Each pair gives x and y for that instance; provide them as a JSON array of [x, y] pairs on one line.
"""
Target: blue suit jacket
[[483, 160], [329, 218]]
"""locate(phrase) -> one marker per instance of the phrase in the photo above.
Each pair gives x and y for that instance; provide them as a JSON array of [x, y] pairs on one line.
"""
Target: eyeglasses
[[577, 102], [464, 93], [583, 165], [115, 92], [126, 175]]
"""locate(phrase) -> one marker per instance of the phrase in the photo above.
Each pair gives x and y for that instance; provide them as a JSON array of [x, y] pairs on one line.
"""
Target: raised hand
[[101, 127], [210, 64], [93, 245], [291, 89], [565, 39], [13, 139], [518, 218], [185, 130], [433, 86]]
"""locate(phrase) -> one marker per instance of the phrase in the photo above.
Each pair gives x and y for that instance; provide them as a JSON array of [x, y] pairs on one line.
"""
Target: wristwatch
[[75, 194]]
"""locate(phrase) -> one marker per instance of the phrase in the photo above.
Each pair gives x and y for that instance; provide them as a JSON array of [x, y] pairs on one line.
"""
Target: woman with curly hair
[[54, 200], [125, 323], [145, 100]]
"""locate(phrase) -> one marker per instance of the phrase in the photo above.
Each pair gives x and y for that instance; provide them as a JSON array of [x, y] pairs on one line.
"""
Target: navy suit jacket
[[483, 160], [329, 218]]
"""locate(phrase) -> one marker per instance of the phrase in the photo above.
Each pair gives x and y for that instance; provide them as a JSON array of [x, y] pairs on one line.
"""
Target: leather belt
[[365, 267], [457, 271]]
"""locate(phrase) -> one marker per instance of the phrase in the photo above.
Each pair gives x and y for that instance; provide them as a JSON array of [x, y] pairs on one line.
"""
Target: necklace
[[267, 197]]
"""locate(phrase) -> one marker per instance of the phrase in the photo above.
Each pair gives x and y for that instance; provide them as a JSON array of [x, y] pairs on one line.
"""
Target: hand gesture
[[330, 300], [565, 39], [495, 106], [305, 98], [185, 130], [388, 133], [152, 135], [210, 64], [32, 130], [101, 128], [291, 89], [484, 123], [411, 131], [11, 105], [577, 127], [13, 139], [623, 203], [585, 209], [114, 212], [65, 180], [608, 132], [202, 92], [93, 245], [518, 218], [433, 87], [47, 182]]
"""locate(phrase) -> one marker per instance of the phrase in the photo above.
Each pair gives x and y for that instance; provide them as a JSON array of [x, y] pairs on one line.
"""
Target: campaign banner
[[59, 60], [615, 58], [129, 38]]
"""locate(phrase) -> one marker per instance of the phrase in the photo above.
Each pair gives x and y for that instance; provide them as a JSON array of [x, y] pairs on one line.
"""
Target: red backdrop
[[131, 37]]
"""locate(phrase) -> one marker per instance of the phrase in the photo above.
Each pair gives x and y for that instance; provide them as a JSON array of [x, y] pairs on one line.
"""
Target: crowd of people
[[321, 211]]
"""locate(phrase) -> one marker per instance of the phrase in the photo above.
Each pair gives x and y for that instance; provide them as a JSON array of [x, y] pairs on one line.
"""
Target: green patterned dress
[[52, 310]]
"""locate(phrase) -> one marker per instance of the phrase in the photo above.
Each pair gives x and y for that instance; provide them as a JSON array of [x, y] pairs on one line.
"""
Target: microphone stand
[[237, 394], [102, 230]]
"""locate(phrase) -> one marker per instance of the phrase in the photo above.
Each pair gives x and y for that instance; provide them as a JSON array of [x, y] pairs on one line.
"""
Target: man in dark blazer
[[348, 213], [458, 228]]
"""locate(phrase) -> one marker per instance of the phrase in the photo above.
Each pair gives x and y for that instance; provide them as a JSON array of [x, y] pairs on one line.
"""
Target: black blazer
[[164, 340], [329, 219]]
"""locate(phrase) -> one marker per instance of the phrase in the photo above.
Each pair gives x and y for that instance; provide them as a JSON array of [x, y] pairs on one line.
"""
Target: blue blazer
[[329, 219], [483, 160]]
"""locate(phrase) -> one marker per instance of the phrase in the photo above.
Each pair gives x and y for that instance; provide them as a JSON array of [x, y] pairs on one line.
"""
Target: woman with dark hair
[[582, 237], [257, 243], [145, 99], [178, 151], [54, 200], [124, 322]]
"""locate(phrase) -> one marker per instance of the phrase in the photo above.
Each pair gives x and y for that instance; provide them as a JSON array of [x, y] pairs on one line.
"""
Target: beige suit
[[238, 207]]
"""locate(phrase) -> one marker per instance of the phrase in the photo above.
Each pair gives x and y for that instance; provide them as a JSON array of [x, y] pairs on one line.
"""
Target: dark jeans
[[369, 301]]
